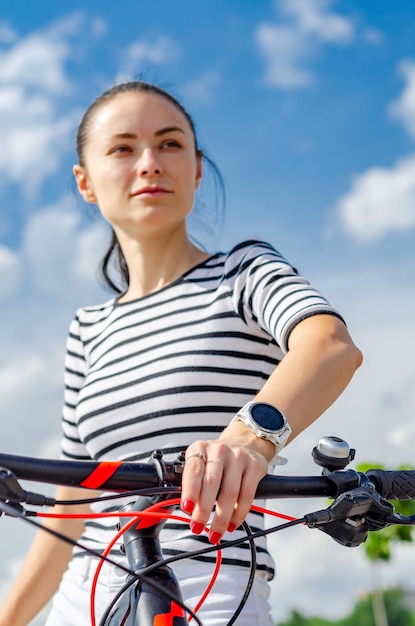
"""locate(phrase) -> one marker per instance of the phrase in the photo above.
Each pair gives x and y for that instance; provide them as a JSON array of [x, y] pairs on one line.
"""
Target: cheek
[[188, 186], [190, 177], [108, 181]]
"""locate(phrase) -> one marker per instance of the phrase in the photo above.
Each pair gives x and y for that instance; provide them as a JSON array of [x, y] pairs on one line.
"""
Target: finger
[[211, 484], [235, 499], [226, 485], [227, 502], [192, 479]]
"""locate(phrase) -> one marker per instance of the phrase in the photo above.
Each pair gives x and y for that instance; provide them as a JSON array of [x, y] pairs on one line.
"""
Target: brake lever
[[12, 509], [353, 514], [10, 488], [12, 492], [402, 520]]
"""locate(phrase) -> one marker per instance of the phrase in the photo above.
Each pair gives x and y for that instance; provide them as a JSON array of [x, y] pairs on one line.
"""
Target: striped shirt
[[175, 366]]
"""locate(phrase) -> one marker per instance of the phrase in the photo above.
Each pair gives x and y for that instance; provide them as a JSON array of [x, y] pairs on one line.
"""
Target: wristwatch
[[267, 422]]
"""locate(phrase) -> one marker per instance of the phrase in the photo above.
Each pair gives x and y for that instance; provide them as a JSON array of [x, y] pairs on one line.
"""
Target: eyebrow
[[168, 129], [158, 133]]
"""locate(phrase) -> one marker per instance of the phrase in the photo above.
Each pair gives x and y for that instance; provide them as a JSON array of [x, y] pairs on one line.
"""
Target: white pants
[[71, 603]]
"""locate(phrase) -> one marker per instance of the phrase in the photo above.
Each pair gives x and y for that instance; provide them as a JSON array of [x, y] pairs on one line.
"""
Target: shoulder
[[95, 313], [90, 316], [250, 246], [251, 252]]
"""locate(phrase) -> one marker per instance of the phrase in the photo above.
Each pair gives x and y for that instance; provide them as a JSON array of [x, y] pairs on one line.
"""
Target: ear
[[199, 169], [83, 184]]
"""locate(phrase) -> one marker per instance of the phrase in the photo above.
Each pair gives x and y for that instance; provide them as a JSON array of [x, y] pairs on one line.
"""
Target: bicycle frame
[[141, 600]]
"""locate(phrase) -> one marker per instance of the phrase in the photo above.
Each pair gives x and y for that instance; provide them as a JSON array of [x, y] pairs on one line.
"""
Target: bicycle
[[151, 595]]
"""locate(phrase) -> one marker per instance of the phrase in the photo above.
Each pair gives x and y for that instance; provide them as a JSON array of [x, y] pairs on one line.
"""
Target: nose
[[148, 164]]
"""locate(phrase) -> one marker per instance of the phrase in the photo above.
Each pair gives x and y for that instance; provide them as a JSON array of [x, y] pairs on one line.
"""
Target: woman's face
[[140, 164]]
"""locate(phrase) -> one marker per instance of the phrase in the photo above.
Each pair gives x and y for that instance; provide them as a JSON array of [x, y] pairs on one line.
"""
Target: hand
[[221, 472]]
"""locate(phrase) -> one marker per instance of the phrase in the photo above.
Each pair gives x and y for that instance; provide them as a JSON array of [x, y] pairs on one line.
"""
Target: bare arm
[[321, 361], [44, 565]]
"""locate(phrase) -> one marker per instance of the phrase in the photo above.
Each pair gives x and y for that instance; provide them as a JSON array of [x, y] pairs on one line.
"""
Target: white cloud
[[19, 374], [61, 255], [32, 132], [58, 260], [30, 386], [288, 48], [9, 272], [90, 246], [32, 79], [70, 25], [7, 33], [372, 36], [380, 201], [285, 53], [315, 18], [403, 108], [99, 26], [158, 52], [201, 90], [35, 61]]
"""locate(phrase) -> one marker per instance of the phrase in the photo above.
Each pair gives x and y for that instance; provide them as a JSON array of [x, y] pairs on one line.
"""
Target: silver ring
[[200, 455]]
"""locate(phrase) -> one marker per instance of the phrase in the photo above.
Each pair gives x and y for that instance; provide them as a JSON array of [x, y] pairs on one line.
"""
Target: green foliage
[[362, 614], [297, 619], [379, 544], [397, 613]]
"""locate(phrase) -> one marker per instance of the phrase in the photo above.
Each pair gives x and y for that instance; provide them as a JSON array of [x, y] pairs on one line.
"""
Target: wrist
[[268, 423], [238, 434]]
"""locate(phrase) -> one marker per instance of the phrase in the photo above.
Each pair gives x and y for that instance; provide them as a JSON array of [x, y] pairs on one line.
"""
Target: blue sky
[[308, 108]]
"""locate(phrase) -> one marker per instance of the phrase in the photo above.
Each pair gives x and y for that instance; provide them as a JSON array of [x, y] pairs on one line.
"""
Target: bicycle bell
[[333, 453]]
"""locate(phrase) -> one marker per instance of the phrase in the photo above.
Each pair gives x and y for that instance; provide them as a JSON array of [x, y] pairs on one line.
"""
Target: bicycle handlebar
[[394, 485], [125, 476]]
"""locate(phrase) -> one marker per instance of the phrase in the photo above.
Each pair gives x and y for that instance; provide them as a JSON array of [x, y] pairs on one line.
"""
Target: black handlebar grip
[[394, 485]]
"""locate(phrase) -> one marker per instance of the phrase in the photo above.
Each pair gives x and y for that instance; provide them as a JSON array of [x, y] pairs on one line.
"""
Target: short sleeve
[[75, 371], [272, 293]]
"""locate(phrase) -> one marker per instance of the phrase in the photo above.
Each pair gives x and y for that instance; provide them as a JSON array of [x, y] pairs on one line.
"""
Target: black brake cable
[[222, 546], [226, 544], [115, 599], [149, 491], [14, 512], [250, 537], [252, 571], [185, 555]]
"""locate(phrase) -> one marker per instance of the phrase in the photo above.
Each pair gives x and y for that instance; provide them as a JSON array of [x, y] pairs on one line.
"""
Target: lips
[[151, 190]]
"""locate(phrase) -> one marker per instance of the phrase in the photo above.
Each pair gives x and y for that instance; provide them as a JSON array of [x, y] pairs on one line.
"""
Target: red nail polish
[[215, 537], [196, 527], [231, 527], [188, 506]]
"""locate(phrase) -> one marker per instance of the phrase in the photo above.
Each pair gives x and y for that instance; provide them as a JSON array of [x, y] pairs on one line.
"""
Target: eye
[[170, 143], [120, 149]]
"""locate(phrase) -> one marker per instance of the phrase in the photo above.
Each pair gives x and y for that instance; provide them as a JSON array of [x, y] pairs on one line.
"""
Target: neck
[[155, 263]]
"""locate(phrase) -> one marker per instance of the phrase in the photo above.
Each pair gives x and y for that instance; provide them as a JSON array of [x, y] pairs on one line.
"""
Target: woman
[[170, 361]]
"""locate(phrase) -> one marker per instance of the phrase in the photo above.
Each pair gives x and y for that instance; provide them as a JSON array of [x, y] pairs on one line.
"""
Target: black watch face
[[267, 416]]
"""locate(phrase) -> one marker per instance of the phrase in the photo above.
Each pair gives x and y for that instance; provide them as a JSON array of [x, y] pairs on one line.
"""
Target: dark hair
[[114, 251]]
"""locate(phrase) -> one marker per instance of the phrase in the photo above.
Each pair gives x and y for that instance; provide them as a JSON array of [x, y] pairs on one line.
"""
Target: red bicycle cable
[[210, 585], [150, 512], [260, 509]]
